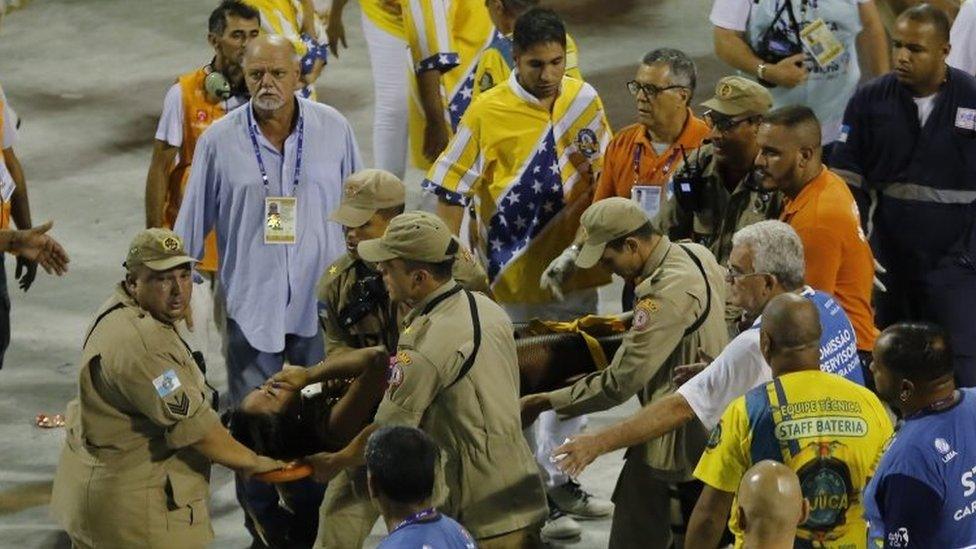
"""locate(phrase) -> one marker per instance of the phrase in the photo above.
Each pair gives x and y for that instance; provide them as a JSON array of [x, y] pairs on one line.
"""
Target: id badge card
[[279, 219], [821, 43], [648, 197], [7, 185]]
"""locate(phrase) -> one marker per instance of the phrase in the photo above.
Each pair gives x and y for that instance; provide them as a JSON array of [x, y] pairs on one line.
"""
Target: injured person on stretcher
[[303, 411]]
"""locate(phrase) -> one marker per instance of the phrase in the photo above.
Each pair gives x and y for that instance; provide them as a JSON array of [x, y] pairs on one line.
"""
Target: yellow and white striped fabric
[[385, 14], [448, 36], [531, 174], [282, 17]]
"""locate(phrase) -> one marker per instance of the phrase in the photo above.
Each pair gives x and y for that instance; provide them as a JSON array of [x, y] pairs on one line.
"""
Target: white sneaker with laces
[[573, 500], [560, 526]]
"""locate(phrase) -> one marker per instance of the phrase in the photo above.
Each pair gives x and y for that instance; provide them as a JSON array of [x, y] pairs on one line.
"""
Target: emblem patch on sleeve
[[643, 312], [395, 377], [403, 359], [179, 405], [166, 383]]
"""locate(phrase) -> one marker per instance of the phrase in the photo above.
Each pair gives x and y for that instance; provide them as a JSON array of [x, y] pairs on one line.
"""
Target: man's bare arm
[[163, 158]]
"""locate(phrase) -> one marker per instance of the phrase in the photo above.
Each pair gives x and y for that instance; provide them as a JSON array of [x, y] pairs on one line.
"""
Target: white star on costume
[[519, 222]]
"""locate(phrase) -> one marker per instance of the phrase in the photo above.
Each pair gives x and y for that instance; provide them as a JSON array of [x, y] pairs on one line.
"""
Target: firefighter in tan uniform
[[680, 297], [142, 433], [456, 377], [356, 312]]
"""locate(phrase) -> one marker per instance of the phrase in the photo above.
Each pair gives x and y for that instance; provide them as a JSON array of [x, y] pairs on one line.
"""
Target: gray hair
[[683, 71], [776, 249]]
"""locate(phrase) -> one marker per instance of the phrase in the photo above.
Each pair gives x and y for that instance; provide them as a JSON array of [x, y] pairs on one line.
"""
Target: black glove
[[25, 273]]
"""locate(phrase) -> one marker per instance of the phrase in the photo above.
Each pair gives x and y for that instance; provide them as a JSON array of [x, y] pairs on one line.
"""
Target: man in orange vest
[[192, 104], [13, 193]]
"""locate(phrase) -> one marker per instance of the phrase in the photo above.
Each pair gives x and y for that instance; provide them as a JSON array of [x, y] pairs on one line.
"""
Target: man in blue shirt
[[923, 493], [400, 470], [262, 177], [909, 142]]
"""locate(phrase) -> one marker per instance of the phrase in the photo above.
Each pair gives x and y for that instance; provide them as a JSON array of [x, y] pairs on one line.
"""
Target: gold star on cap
[[333, 269], [725, 91]]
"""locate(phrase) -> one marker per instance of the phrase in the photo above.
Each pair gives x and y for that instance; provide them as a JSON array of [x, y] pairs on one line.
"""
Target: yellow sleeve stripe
[[420, 29], [439, 7], [428, 35], [583, 102], [459, 167]]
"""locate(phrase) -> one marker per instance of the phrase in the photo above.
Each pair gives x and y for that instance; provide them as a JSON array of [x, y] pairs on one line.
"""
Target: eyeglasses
[[723, 123], [650, 90], [733, 275]]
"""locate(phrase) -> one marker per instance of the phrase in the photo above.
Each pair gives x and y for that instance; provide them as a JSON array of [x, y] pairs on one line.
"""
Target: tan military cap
[[364, 193], [606, 220], [420, 236], [158, 249], [737, 95]]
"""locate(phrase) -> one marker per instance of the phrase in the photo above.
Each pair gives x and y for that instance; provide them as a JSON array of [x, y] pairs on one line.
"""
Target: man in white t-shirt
[[962, 38], [766, 260], [760, 37]]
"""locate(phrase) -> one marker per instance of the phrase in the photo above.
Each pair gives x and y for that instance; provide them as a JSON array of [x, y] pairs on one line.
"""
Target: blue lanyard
[[429, 514], [257, 150]]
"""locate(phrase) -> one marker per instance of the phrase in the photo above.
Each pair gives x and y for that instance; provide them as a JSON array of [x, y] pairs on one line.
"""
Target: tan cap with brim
[[365, 192], [419, 236], [604, 221], [737, 95], [158, 249]]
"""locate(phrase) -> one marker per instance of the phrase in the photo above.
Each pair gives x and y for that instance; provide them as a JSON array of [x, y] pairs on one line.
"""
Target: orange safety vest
[[5, 207], [198, 114]]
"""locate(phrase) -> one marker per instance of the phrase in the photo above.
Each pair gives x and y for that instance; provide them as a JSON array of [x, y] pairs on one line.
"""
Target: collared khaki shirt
[[492, 481], [128, 476], [724, 213], [379, 325], [669, 299]]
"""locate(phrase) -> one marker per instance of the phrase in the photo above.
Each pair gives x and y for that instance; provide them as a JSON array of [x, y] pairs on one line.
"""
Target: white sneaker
[[560, 526], [572, 499]]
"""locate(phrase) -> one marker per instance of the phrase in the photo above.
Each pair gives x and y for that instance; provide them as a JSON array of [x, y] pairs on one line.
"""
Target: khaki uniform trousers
[[347, 514], [645, 509]]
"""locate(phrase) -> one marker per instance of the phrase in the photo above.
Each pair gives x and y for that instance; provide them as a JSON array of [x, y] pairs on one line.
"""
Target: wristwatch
[[761, 71]]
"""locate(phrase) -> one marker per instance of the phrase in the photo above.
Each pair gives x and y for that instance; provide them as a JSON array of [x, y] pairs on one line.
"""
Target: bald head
[[270, 45], [771, 503], [790, 333], [271, 72]]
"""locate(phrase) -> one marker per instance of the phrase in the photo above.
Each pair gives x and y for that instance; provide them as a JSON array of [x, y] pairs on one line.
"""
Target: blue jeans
[[294, 524]]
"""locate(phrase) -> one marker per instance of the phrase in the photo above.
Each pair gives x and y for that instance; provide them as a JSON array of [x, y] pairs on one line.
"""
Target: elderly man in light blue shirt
[[264, 176], [300, 154]]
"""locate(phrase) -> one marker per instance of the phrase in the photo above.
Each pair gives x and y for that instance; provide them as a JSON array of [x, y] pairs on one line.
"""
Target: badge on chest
[[280, 219]]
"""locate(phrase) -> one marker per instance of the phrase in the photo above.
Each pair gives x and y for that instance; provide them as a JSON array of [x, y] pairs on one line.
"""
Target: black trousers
[[4, 311]]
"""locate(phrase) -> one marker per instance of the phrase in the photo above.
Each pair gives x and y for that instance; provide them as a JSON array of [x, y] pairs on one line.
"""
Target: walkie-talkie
[[689, 183]]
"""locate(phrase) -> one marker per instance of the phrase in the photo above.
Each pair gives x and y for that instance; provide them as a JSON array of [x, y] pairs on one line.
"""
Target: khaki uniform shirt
[[724, 212], [492, 481], [669, 300], [336, 291], [127, 475]]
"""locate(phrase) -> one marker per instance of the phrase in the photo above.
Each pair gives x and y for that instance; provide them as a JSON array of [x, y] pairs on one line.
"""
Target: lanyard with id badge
[[280, 212], [646, 195]]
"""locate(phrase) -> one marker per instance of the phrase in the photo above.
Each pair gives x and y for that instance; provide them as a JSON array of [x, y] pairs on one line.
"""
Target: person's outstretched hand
[[34, 245]]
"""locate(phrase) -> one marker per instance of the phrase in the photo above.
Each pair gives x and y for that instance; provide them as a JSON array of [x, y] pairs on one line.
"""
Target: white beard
[[268, 103]]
